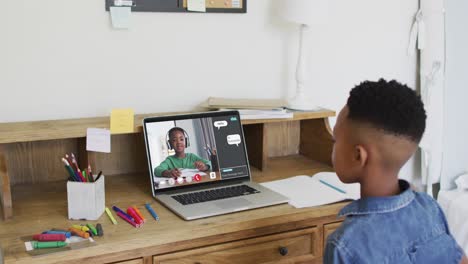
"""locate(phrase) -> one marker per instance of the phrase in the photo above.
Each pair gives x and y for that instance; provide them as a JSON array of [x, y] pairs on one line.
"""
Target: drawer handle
[[283, 251]]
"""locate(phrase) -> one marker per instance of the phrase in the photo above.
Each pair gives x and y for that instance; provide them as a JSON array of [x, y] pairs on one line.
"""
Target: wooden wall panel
[[128, 155], [256, 141], [40, 161], [283, 138], [316, 140]]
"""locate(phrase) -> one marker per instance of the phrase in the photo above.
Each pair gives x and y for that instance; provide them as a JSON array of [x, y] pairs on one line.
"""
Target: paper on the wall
[[196, 5], [120, 16], [98, 139], [122, 121]]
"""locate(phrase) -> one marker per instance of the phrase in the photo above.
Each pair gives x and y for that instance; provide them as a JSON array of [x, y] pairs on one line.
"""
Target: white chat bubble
[[234, 139], [220, 124]]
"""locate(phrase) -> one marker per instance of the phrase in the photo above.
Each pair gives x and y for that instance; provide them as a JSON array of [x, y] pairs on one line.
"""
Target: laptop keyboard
[[215, 194]]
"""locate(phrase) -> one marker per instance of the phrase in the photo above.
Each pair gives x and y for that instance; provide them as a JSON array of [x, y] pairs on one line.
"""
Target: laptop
[[199, 167]]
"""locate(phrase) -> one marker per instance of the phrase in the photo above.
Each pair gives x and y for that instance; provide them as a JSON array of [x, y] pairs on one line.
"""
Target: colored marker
[[331, 186], [81, 227], [54, 244], [49, 237], [99, 229], [152, 212], [135, 216], [78, 232], [57, 229], [109, 213], [66, 233], [92, 228], [118, 210], [139, 213], [84, 175], [128, 220]]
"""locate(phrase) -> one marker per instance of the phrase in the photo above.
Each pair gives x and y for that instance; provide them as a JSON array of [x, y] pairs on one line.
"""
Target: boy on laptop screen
[[198, 154]]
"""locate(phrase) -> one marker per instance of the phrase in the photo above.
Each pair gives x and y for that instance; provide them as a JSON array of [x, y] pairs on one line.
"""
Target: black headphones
[[168, 140]]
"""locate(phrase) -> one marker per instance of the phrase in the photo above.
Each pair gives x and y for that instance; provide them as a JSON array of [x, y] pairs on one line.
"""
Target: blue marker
[[115, 208], [331, 186], [152, 212]]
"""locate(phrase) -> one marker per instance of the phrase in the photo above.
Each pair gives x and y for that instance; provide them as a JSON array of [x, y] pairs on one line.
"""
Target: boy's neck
[[180, 155], [380, 184]]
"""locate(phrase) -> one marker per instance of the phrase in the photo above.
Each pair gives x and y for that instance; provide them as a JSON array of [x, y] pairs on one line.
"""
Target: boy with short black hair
[[376, 133]]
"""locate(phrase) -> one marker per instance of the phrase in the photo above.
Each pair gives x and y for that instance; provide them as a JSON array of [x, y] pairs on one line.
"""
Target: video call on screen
[[217, 140]]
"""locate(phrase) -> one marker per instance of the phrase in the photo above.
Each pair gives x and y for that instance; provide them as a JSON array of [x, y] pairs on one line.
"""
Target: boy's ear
[[360, 155]]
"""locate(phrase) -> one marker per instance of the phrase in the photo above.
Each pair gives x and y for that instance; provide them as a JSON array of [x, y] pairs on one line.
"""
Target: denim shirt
[[405, 228]]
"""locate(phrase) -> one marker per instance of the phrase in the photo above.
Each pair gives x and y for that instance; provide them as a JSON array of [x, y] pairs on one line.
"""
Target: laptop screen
[[196, 149]]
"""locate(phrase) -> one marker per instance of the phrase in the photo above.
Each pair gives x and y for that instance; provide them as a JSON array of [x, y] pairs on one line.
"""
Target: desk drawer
[[294, 246]]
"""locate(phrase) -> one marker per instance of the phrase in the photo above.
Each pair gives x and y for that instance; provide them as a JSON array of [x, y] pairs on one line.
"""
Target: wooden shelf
[[76, 128]]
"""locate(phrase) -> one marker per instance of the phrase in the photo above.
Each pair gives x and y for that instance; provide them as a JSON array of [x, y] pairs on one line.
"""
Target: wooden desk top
[[41, 207], [76, 128]]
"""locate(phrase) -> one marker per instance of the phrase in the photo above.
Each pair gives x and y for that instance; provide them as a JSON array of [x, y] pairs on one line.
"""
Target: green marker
[[50, 244], [93, 229]]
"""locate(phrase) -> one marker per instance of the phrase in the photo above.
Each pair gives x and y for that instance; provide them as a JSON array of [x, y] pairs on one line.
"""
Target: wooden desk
[[32, 183], [253, 236]]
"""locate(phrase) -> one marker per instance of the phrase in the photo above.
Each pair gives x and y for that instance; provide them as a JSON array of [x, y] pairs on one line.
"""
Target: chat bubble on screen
[[220, 124], [234, 139]]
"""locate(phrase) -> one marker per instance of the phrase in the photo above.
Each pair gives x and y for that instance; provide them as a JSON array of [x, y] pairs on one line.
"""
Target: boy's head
[[177, 139], [378, 130]]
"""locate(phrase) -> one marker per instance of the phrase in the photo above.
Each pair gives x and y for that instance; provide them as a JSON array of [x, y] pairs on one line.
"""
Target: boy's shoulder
[[388, 225], [359, 218]]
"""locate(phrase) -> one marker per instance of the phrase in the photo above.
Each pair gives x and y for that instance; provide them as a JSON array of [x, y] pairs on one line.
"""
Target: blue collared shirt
[[405, 228]]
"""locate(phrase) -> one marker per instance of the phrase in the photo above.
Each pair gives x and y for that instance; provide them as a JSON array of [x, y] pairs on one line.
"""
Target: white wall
[[61, 59], [456, 93]]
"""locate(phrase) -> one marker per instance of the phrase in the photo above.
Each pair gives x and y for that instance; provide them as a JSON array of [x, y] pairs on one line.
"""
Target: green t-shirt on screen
[[172, 162]]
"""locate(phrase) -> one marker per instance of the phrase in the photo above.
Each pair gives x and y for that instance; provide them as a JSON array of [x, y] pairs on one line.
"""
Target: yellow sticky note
[[122, 121]]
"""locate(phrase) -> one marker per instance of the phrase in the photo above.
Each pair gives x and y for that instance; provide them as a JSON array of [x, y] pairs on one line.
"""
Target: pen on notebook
[[333, 187]]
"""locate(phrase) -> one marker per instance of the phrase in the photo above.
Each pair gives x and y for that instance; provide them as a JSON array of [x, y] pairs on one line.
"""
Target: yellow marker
[[138, 213], [109, 213], [80, 227]]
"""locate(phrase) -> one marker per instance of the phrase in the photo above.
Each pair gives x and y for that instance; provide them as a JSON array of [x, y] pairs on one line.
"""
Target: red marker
[[49, 237], [135, 216]]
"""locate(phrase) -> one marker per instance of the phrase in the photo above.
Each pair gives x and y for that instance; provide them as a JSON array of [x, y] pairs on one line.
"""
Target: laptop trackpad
[[233, 203]]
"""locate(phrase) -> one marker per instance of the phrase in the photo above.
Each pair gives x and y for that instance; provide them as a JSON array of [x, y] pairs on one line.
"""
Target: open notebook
[[319, 189]]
